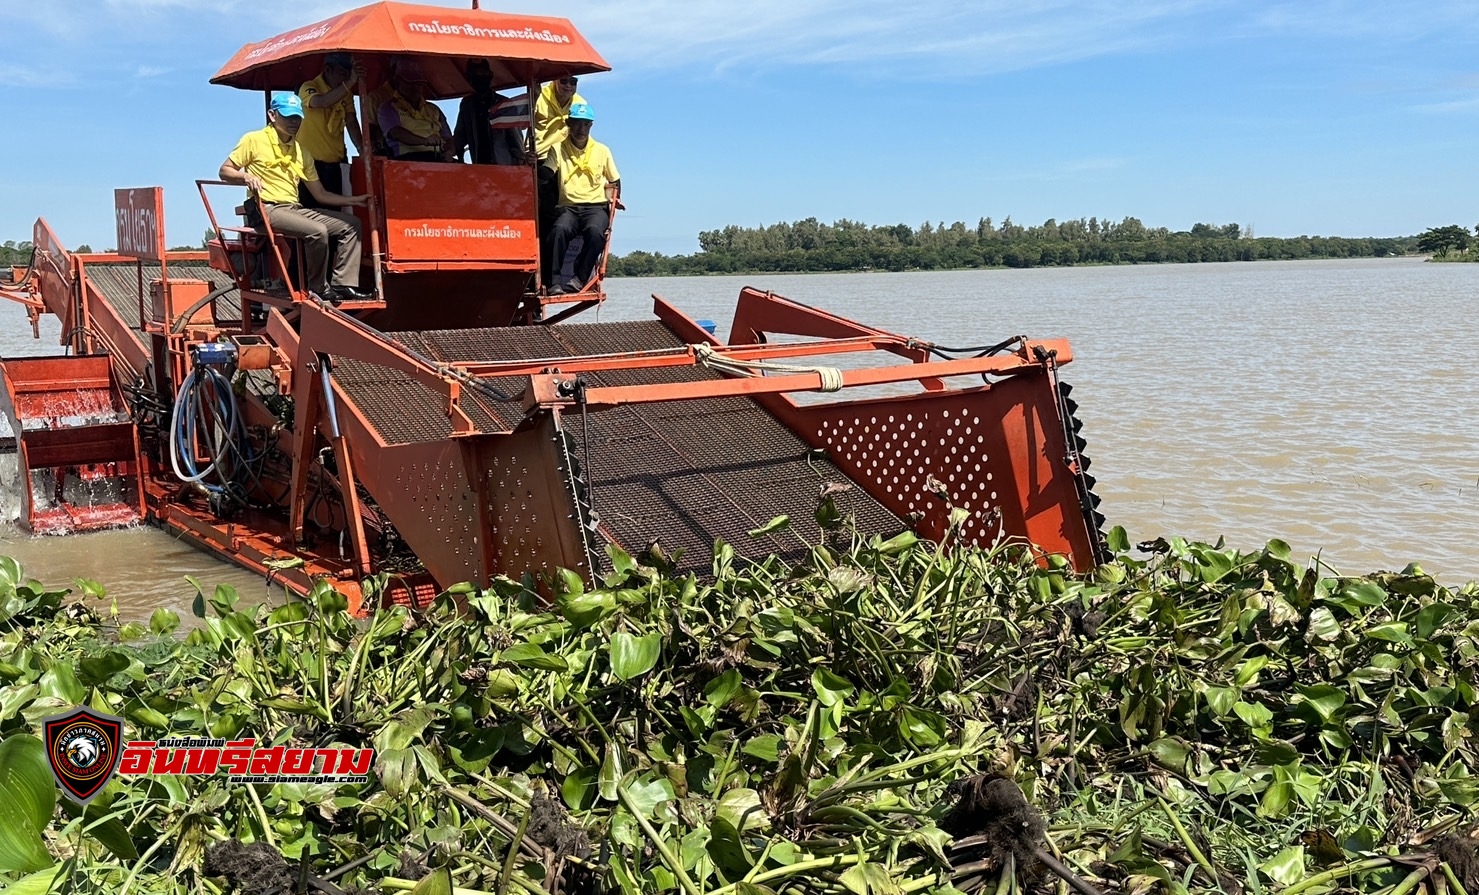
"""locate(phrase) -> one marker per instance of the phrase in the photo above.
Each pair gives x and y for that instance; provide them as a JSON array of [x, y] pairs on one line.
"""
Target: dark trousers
[[331, 175], [589, 222]]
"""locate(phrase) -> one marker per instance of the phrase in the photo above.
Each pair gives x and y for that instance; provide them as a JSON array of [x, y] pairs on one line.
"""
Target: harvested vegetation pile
[[890, 718]]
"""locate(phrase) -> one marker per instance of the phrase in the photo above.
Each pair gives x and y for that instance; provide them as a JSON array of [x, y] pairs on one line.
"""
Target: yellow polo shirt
[[322, 133], [425, 121], [549, 119], [279, 167], [583, 174]]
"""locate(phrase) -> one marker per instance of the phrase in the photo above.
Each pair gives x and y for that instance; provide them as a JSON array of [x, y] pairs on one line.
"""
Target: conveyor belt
[[682, 473], [118, 284]]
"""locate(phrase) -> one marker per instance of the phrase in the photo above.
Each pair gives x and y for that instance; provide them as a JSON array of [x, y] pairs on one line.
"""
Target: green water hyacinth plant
[[887, 717]]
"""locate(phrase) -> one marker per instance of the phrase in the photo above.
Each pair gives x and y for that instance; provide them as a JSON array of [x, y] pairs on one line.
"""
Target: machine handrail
[[266, 228]]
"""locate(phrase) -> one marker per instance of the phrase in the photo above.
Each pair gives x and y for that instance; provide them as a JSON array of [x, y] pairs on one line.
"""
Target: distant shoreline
[[1411, 256]]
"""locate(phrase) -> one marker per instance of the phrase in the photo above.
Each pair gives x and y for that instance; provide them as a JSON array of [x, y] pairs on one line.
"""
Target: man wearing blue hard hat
[[588, 181], [271, 165]]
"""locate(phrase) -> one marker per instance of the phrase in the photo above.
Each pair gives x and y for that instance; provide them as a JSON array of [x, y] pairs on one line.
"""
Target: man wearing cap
[[272, 165], [588, 181], [328, 111], [415, 129]]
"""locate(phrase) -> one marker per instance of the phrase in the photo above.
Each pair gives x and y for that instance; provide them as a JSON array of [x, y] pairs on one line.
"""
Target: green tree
[[1440, 240]]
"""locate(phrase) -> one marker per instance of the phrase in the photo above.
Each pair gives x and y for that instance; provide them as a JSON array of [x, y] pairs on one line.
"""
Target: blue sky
[[1312, 117]]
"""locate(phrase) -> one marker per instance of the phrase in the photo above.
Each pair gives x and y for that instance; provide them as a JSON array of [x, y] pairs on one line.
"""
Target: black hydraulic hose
[[30, 270], [184, 318], [984, 350]]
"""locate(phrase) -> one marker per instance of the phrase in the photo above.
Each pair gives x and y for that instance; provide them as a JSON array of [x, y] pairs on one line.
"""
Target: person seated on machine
[[271, 165], [487, 123], [415, 129], [588, 182]]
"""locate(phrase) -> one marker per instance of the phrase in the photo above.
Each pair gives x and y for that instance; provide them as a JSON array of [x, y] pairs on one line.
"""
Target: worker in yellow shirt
[[550, 113], [328, 111], [588, 181], [415, 129], [272, 166]]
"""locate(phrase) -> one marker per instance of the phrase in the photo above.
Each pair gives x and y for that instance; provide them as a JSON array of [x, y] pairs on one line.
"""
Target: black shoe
[[346, 293]]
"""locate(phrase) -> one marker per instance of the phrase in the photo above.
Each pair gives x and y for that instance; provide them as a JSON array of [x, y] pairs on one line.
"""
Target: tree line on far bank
[[812, 246]]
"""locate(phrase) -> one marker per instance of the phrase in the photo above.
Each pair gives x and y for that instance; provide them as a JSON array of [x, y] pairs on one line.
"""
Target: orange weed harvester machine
[[454, 426]]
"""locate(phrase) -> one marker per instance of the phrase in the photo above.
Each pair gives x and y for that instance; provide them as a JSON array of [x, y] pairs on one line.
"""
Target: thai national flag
[[510, 111]]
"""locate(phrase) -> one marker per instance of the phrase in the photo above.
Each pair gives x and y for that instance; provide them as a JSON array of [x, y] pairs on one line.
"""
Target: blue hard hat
[[581, 112], [287, 104]]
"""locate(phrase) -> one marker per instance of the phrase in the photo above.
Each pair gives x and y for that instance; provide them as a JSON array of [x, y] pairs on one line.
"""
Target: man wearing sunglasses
[[550, 113]]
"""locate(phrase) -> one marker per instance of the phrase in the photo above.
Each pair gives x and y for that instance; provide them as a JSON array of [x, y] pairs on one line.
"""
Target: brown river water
[[1326, 403]]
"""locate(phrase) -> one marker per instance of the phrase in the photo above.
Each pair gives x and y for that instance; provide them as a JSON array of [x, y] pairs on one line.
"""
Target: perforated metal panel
[[916, 453], [681, 473]]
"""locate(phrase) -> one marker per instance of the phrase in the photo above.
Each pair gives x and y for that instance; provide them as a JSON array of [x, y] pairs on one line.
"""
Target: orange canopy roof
[[520, 48]]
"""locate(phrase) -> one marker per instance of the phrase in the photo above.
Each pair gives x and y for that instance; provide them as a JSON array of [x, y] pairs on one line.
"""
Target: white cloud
[[13, 75], [873, 37], [150, 71]]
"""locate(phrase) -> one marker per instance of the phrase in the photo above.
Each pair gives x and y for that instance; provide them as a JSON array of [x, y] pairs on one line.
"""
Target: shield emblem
[[83, 747]]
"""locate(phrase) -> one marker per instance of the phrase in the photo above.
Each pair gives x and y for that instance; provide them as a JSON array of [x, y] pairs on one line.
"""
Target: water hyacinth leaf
[[90, 588], [107, 830], [1432, 617], [634, 656], [1278, 548], [779, 523], [97, 669], [43, 882], [719, 691], [1254, 714], [743, 810], [1392, 632], [585, 609], [1171, 753], [744, 888], [1287, 867], [11, 574], [830, 688], [621, 561], [1213, 565], [579, 789], [27, 799], [1118, 540], [610, 775], [1221, 700], [147, 717], [1358, 594], [1325, 699], [164, 621], [1322, 625], [869, 878], [922, 729], [438, 882], [60, 682], [897, 544], [765, 747], [532, 655], [406, 729], [647, 796], [727, 849]]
